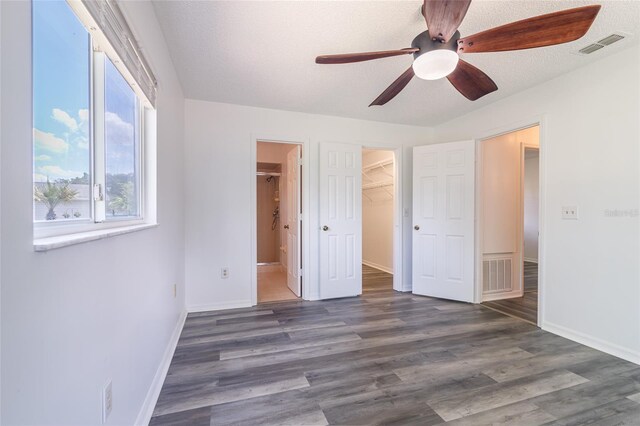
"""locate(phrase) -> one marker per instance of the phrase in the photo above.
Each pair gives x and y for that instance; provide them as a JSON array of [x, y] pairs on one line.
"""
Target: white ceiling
[[261, 53]]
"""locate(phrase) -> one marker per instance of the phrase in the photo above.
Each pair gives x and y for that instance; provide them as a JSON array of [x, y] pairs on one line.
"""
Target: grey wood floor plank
[[213, 395], [537, 364], [502, 394], [619, 412], [387, 358], [567, 402], [519, 413], [196, 417], [635, 397]]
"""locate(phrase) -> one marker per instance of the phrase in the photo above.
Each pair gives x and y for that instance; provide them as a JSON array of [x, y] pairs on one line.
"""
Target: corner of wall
[[146, 411]]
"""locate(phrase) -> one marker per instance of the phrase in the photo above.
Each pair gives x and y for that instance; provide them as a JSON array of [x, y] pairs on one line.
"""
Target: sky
[[61, 99]]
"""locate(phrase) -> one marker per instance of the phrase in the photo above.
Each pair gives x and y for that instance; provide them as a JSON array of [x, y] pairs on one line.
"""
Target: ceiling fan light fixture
[[435, 64]]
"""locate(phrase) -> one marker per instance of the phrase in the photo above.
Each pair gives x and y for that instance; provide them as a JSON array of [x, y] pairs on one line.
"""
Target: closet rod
[[377, 165], [268, 174]]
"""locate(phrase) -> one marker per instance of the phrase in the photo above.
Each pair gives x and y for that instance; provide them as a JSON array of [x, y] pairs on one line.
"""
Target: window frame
[[98, 219]]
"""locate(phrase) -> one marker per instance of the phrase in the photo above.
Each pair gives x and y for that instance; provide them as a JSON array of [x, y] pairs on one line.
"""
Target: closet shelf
[[375, 185], [377, 165]]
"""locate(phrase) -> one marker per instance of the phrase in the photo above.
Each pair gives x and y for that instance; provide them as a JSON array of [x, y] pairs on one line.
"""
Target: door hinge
[[299, 161]]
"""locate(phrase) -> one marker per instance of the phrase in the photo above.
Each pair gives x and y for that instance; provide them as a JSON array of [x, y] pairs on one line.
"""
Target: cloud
[[49, 142], [64, 118], [43, 157], [83, 114], [119, 131], [55, 172], [38, 177], [81, 142]]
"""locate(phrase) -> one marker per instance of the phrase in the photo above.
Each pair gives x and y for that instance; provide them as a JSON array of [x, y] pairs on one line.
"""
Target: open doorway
[[509, 194], [378, 219], [278, 217]]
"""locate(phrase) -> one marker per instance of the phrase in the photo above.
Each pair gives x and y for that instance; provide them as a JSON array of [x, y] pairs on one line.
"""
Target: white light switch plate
[[570, 212]]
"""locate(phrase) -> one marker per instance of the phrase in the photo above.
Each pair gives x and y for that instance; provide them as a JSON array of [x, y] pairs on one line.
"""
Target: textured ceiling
[[261, 53]]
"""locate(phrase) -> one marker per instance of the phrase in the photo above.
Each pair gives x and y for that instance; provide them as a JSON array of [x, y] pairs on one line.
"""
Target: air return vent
[[608, 40], [591, 48], [496, 275]]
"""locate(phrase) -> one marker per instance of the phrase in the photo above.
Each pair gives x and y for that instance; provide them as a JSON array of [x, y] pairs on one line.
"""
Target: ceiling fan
[[436, 51]]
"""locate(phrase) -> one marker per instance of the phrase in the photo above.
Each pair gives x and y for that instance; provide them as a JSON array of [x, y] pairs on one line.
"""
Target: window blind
[[110, 20]]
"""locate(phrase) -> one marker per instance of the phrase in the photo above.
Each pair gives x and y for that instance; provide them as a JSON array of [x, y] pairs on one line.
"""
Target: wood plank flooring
[[388, 358], [525, 307], [375, 280]]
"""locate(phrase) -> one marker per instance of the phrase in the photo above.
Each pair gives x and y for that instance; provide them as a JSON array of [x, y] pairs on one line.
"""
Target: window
[[61, 86], [88, 122], [122, 141]]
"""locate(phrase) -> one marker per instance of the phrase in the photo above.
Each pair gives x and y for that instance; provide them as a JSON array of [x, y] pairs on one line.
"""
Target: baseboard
[[219, 306], [593, 342], [377, 266], [149, 404], [526, 259], [490, 297]]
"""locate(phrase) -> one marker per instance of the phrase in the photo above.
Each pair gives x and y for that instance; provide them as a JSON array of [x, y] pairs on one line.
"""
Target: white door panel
[[293, 221], [340, 220], [443, 218]]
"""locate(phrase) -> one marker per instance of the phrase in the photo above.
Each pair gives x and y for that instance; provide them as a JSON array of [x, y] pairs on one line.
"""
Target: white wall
[[531, 206], [589, 158], [500, 194], [377, 214], [75, 317], [218, 224]]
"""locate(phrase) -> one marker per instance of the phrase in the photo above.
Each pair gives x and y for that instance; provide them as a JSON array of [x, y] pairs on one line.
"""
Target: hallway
[[525, 307], [374, 280]]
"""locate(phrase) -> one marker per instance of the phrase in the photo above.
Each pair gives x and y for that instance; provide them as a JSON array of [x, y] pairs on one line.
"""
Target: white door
[[443, 219], [293, 220], [340, 220]]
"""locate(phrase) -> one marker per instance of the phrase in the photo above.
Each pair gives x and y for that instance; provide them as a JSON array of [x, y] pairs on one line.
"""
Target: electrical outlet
[[107, 401], [570, 212], [224, 272]]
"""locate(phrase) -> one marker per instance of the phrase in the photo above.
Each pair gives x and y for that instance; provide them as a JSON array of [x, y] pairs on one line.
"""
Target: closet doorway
[[278, 217], [378, 219], [509, 197]]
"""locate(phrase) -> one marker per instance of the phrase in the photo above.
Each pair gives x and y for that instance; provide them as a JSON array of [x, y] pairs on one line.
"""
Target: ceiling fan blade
[[470, 81], [395, 88], [544, 30], [365, 56], [444, 17]]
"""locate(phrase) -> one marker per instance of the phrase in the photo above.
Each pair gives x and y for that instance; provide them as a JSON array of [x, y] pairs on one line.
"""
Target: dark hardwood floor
[[388, 358], [525, 307]]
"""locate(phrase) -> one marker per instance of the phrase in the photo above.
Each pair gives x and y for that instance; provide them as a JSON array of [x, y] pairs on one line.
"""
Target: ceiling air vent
[[591, 48], [608, 40]]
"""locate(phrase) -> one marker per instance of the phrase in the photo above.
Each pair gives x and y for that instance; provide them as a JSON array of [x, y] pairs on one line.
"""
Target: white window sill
[[50, 243]]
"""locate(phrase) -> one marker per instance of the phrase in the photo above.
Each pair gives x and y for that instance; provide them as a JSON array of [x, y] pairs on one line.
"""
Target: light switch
[[570, 212]]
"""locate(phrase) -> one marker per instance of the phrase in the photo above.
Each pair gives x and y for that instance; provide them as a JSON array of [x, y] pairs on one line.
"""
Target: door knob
[[325, 228], [417, 228], [286, 227]]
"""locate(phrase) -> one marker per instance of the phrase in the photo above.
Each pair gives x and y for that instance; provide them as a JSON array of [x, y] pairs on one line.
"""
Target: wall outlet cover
[[570, 212]]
